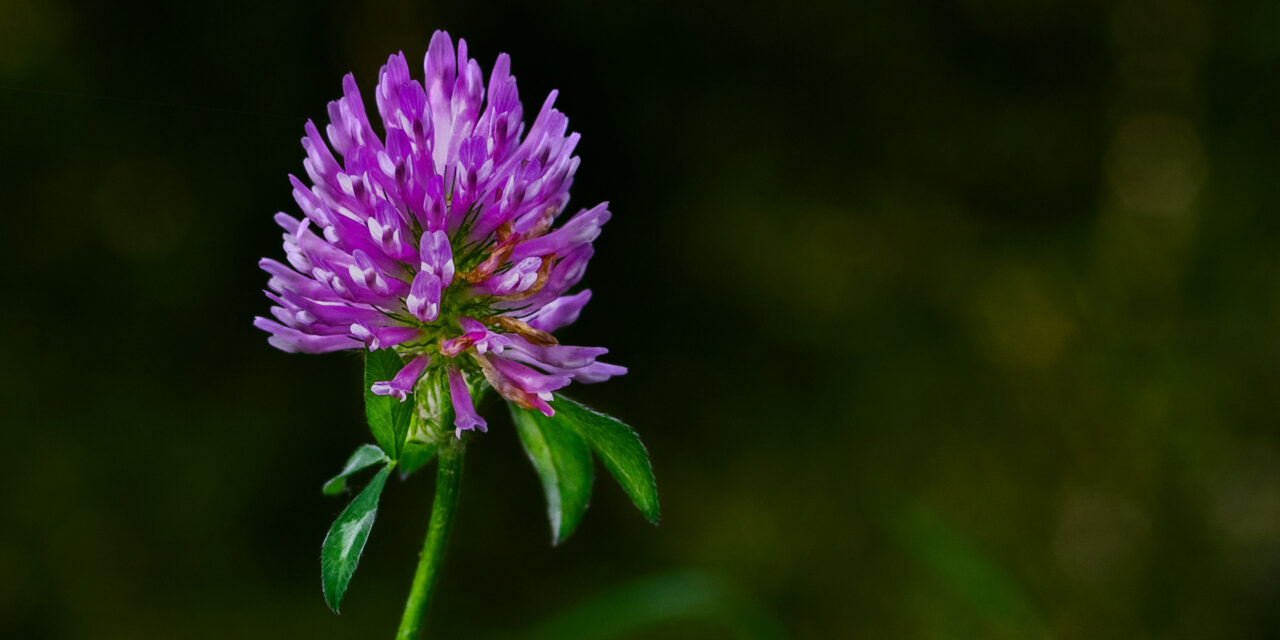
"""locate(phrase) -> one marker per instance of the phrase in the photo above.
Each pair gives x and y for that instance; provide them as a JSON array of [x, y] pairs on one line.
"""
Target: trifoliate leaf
[[388, 416], [362, 458], [342, 547], [563, 462], [618, 447]]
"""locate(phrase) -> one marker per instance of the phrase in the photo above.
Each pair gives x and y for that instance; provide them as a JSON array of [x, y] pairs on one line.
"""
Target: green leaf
[[416, 455], [364, 457], [345, 542], [563, 462], [618, 447], [388, 416]]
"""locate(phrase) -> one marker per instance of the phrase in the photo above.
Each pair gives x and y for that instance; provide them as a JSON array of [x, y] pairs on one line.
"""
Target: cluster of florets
[[439, 239]]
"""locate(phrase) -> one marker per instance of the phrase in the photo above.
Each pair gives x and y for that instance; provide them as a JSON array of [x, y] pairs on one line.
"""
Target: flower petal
[[464, 411], [560, 312], [402, 385]]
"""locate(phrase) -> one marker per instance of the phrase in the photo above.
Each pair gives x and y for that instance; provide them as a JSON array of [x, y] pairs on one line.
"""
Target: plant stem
[[448, 475]]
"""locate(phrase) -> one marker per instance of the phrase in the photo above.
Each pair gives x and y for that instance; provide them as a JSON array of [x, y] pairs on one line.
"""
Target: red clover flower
[[438, 240], [440, 250]]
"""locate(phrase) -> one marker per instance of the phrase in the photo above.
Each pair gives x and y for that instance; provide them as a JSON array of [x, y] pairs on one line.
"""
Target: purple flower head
[[442, 238]]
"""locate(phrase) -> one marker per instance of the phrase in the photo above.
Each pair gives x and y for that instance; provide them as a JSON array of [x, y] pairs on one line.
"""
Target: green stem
[[448, 476]]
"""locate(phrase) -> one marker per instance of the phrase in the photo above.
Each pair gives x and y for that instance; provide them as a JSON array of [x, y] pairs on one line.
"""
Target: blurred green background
[[944, 320]]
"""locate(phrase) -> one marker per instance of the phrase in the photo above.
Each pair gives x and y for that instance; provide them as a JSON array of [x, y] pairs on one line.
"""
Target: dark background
[[944, 320]]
